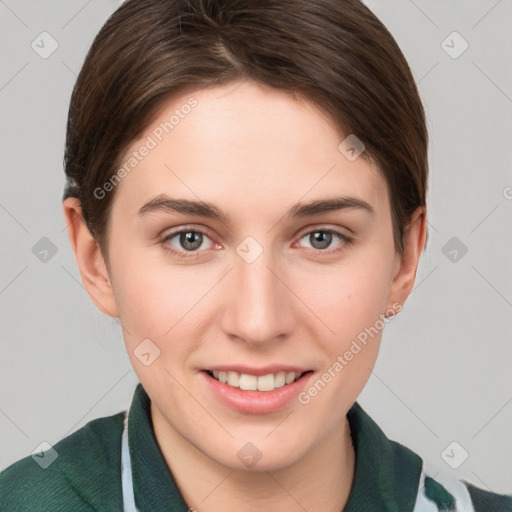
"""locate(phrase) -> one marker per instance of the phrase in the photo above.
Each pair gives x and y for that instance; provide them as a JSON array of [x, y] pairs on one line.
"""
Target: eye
[[187, 241], [320, 239]]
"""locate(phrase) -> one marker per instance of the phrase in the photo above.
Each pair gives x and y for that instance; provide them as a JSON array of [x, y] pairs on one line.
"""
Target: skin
[[254, 152]]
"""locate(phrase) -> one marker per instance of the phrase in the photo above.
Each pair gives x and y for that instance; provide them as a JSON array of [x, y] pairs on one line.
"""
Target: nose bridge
[[259, 306]]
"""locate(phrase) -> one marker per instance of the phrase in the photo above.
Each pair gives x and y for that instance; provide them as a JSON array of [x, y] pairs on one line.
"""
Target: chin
[[258, 456]]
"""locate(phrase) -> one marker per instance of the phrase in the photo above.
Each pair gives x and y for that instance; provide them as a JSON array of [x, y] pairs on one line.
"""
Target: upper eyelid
[[304, 231], [186, 229], [309, 230]]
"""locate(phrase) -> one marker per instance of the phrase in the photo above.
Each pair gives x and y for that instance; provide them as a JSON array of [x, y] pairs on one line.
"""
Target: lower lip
[[256, 402]]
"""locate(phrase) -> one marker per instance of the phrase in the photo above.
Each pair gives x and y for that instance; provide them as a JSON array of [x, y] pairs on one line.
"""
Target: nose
[[259, 306]]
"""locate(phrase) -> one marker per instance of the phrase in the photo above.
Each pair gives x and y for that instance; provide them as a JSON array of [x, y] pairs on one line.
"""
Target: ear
[[406, 264], [89, 258]]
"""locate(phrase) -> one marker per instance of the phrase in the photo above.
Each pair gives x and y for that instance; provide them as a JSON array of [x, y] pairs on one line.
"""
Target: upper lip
[[265, 370]]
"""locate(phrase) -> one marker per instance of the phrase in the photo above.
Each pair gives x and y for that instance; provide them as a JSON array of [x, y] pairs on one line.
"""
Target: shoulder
[[78, 473], [484, 501], [445, 492], [390, 476]]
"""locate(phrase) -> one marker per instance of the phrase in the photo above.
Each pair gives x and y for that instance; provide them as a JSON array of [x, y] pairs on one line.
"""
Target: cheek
[[349, 298], [160, 302], [351, 303]]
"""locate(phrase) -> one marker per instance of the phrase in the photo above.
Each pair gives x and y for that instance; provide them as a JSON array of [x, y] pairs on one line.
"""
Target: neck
[[320, 481]]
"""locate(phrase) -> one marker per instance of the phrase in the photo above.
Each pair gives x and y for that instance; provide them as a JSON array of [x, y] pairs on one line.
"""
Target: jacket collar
[[386, 474]]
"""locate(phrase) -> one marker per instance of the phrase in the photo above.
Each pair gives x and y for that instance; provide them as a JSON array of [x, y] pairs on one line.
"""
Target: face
[[240, 280]]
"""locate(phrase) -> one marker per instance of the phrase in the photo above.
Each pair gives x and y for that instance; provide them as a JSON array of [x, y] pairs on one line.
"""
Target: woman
[[247, 194]]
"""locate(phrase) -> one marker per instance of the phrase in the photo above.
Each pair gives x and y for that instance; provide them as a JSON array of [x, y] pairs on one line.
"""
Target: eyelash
[[346, 241]]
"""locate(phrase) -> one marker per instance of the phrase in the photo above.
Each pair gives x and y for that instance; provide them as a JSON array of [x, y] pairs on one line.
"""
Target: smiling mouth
[[247, 382]]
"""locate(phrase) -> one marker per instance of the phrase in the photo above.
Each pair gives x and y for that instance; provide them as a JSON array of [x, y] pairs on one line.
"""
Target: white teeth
[[233, 379], [248, 382], [280, 379], [266, 383], [290, 376]]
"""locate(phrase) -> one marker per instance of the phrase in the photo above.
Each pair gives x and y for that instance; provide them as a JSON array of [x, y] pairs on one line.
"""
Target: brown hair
[[335, 53]]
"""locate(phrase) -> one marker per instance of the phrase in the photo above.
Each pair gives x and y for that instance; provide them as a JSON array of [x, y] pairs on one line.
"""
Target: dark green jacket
[[85, 475]]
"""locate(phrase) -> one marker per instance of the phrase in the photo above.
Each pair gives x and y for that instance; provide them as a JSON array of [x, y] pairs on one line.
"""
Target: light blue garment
[[452, 485], [126, 472]]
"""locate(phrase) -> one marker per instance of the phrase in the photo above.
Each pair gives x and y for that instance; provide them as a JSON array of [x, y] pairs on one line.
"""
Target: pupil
[[321, 237], [187, 240]]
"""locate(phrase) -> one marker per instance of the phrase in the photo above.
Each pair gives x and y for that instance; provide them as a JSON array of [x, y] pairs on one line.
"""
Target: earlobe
[[404, 271], [89, 258]]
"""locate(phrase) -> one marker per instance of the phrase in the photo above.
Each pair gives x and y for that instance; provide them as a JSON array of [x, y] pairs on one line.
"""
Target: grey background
[[444, 372]]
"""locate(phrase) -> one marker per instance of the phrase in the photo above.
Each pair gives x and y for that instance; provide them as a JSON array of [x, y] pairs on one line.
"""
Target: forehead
[[245, 145]]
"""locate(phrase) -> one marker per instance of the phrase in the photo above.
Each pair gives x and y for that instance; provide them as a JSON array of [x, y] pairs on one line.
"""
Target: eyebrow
[[163, 202]]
